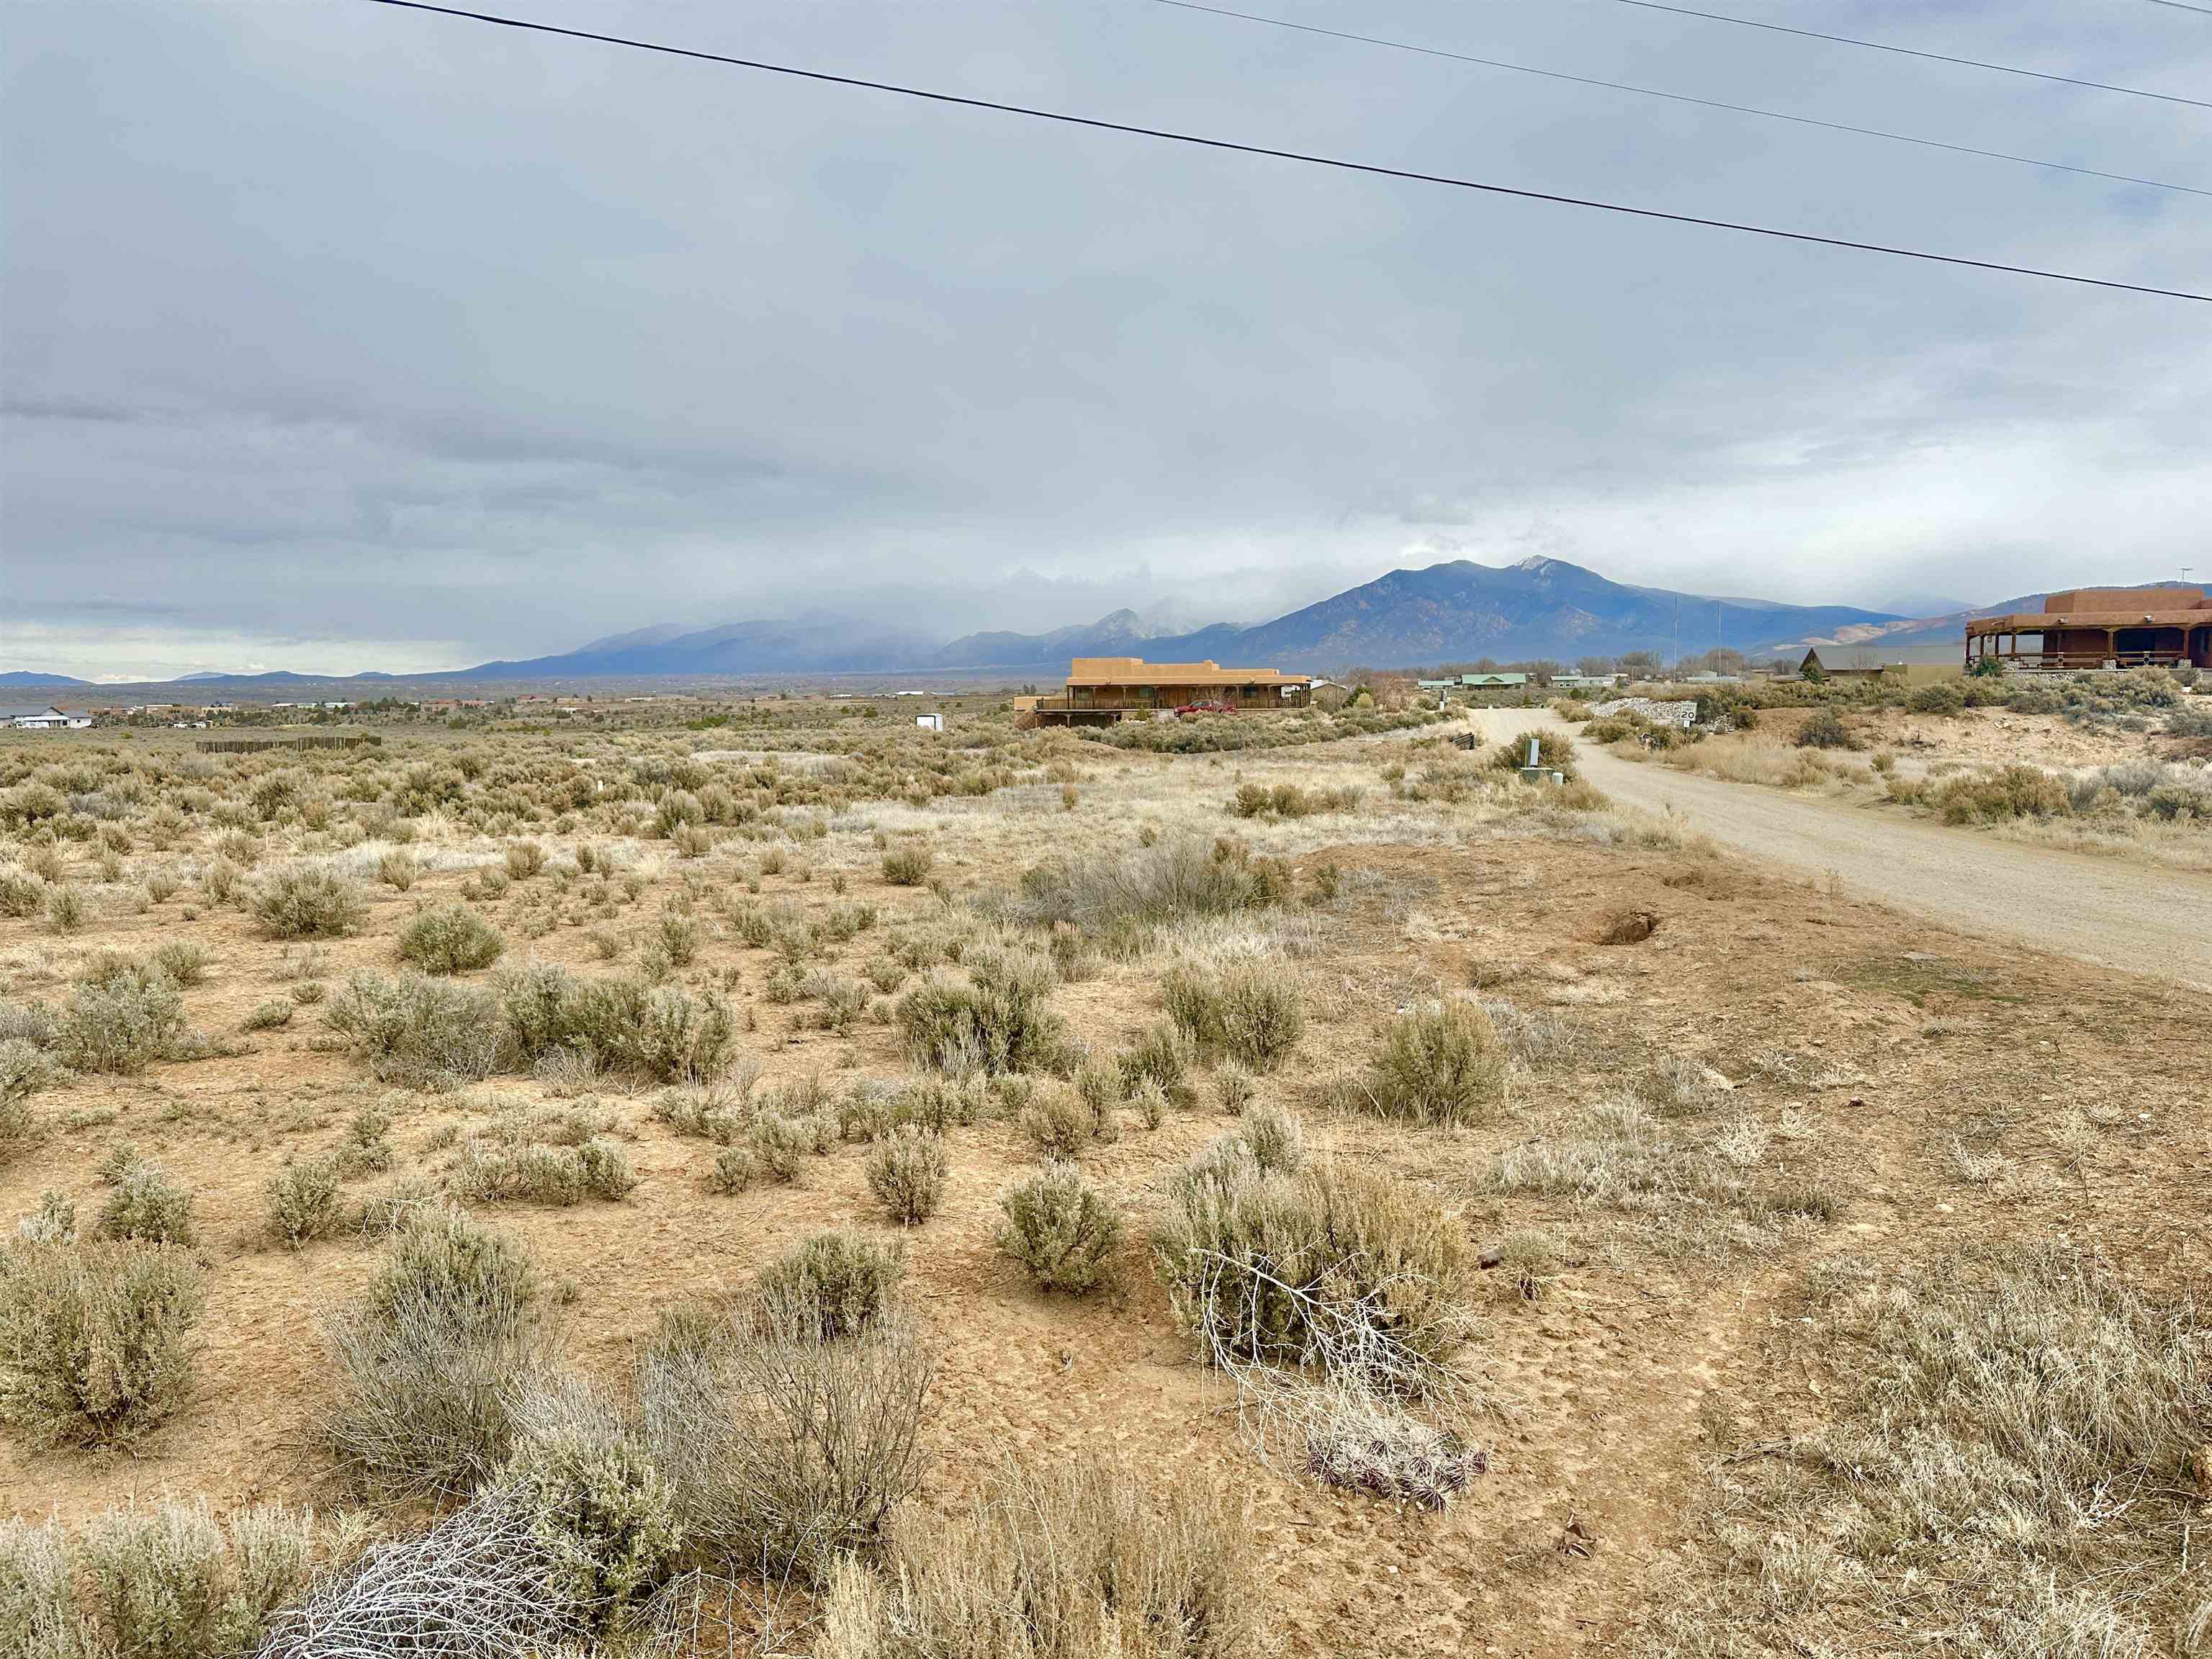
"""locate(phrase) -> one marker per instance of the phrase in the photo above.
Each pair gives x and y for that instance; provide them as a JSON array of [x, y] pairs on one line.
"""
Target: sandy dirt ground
[[1841, 1041], [2100, 910]]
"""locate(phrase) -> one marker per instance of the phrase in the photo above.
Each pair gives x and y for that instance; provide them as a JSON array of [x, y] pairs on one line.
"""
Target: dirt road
[[2109, 911]]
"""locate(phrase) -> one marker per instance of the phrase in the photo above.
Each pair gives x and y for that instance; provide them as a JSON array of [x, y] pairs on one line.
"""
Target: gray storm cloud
[[340, 336]]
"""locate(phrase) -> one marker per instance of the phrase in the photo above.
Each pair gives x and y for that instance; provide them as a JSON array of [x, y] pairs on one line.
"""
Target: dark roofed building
[[2098, 627]]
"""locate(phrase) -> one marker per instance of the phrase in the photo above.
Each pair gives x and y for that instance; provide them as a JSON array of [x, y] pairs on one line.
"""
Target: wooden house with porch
[[1100, 691], [2100, 628]]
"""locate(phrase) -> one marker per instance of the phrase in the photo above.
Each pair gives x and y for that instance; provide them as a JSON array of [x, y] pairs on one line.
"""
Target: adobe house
[[1103, 690], [2101, 627]]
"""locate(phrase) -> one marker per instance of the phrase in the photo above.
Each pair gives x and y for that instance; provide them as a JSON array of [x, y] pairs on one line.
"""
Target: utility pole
[[1674, 640]]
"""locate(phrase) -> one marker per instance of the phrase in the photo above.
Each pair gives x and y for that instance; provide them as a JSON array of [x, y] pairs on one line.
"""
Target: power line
[[2178, 6], [1335, 162], [1910, 51], [1675, 97]]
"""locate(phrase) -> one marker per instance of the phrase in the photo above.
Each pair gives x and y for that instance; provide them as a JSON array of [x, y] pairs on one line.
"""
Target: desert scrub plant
[[66, 909], [121, 1021], [1058, 1123], [909, 864], [168, 1581], [1121, 896], [1249, 1011], [1059, 1560], [660, 1032], [1164, 1055], [305, 901], [538, 1157], [449, 939], [1439, 1063], [145, 1207], [366, 1149], [834, 1284], [24, 1070], [1555, 753], [2011, 792], [302, 1202], [415, 1030], [184, 960], [270, 1016], [1235, 1088], [734, 1170], [1352, 1270], [781, 1143], [676, 937], [95, 1339], [431, 1358], [1059, 1230], [600, 1504], [524, 858], [398, 869], [998, 1023], [21, 893], [788, 1449], [906, 1172]]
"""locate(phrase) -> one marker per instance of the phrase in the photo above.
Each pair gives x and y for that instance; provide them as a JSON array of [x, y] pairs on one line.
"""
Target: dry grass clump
[[719, 1111], [164, 1582], [785, 1448], [1441, 1063], [1121, 896], [1353, 1271], [95, 1339], [1066, 1560], [1688, 1184], [997, 1023], [430, 1357], [2017, 1453], [1536, 1037], [906, 1173], [450, 939], [1288, 801], [473, 1587], [1059, 1229], [1355, 1440], [305, 901], [1249, 1011]]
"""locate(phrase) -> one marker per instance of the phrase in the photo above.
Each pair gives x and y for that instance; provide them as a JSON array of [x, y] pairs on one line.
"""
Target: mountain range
[[1457, 611], [1446, 612]]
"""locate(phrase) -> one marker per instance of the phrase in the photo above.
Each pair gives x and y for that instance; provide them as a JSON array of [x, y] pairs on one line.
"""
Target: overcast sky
[[337, 337]]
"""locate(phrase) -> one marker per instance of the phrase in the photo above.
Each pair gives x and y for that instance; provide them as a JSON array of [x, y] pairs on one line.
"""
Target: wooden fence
[[297, 740]]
